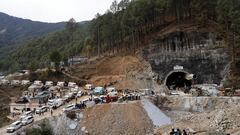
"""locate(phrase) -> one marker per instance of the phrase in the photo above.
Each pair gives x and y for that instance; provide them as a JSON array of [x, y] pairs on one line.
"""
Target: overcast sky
[[54, 10]]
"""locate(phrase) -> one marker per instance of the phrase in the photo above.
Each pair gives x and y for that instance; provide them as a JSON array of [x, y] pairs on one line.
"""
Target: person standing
[[184, 132], [51, 112], [179, 132], [172, 132]]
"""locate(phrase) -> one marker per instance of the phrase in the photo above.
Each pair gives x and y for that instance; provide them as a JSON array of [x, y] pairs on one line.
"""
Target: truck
[[55, 103]]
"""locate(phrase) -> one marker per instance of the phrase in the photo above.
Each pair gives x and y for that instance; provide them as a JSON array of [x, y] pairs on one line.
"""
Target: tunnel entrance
[[177, 81]]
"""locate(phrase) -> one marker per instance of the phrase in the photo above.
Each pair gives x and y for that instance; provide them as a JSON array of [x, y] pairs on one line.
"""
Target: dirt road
[[36, 118]]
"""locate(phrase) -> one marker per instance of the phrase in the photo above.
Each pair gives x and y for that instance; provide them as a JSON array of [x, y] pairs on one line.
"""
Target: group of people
[[178, 132]]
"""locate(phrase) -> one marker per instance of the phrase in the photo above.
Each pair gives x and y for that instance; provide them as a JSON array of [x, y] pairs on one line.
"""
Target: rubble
[[225, 119]]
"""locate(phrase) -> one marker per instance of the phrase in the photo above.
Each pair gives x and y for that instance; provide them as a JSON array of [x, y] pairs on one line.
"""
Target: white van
[[14, 126], [72, 84], [5, 82], [110, 89], [48, 83], [27, 120], [61, 84], [25, 82], [15, 82], [25, 114], [55, 103], [37, 82]]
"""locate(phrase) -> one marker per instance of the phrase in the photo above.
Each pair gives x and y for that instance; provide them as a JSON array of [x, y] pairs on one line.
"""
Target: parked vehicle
[[41, 109], [103, 97], [66, 98], [174, 92], [98, 91], [89, 87], [72, 84], [69, 108], [48, 83], [15, 82], [81, 105], [110, 89], [26, 82], [5, 82], [113, 95], [22, 100], [43, 94], [25, 114], [55, 103], [79, 94], [61, 84], [14, 126], [97, 100], [37, 82], [85, 101], [71, 95], [27, 120], [74, 91]]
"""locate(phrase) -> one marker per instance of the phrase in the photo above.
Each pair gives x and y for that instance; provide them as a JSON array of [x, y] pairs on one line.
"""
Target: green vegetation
[[14, 30], [43, 129], [55, 57], [37, 51], [126, 26]]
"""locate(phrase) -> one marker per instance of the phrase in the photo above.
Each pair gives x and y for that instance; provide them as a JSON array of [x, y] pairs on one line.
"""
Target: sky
[[54, 10]]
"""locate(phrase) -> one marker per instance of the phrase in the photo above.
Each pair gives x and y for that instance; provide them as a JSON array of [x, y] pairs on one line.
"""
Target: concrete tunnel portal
[[177, 80]]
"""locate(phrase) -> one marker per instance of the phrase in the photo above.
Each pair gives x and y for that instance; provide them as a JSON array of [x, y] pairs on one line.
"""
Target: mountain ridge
[[15, 30]]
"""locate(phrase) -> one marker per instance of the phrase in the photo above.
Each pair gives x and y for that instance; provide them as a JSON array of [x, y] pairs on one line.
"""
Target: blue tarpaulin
[[98, 90]]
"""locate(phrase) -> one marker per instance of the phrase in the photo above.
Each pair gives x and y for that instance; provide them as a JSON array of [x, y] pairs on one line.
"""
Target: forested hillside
[[129, 25], [14, 30]]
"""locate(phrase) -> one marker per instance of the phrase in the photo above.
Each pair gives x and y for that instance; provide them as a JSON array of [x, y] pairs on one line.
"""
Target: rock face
[[62, 125], [195, 104], [199, 53]]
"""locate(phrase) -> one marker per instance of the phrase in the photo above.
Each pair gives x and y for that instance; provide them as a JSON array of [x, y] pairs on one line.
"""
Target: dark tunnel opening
[[178, 81]]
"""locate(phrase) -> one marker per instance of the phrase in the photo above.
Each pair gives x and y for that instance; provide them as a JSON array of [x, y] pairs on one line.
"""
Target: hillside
[[36, 50], [119, 71], [129, 26], [15, 30]]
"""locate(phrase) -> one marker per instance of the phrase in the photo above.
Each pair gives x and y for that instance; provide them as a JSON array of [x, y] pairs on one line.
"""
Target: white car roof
[[69, 105], [71, 83], [28, 112], [28, 117], [14, 123]]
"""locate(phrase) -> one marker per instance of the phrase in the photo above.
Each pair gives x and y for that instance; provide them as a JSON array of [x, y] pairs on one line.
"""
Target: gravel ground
[[225, 119], [117, 119]]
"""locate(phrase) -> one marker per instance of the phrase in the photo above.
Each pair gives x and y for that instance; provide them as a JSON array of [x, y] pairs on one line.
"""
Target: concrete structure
[[77, 59], [19, 108]]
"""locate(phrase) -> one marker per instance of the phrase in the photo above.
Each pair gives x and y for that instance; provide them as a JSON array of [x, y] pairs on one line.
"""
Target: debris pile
[[224, 119]]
